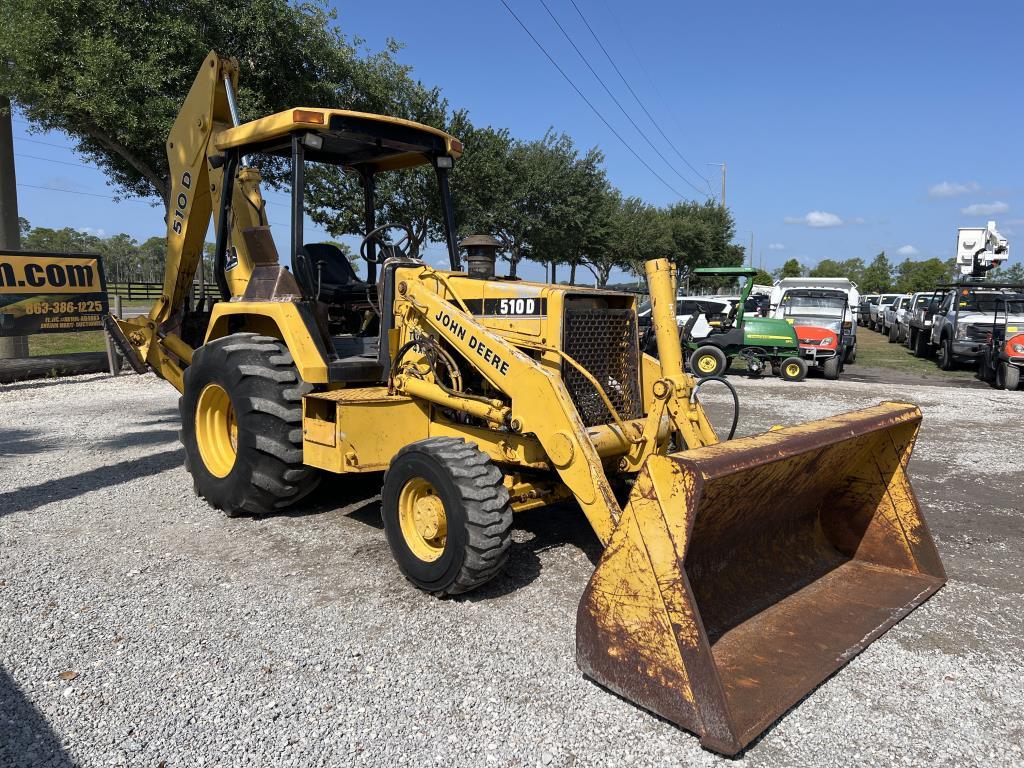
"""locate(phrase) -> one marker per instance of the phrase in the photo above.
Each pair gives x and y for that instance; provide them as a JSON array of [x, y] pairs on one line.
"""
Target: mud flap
[[741, 575]]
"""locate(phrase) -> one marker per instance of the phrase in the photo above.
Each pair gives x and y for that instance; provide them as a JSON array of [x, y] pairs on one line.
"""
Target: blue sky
[[848, 128]]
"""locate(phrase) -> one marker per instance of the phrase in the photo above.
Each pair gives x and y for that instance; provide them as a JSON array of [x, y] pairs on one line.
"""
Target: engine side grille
[[604, 342]]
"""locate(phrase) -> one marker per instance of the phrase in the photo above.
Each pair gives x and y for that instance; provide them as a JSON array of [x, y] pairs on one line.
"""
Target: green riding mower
[[762, 343]]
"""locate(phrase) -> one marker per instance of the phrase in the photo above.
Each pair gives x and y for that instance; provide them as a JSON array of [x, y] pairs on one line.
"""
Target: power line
[[94, 168], [637, 98], [647, 74], [51, 160], [594, 109], [68, 191], [44, 143], [617, 102], [107, 197]]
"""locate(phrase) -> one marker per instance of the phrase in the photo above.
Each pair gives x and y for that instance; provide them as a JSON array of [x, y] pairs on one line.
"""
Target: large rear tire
[[447, 515], [708, 361], [241, 425], [851, 354]]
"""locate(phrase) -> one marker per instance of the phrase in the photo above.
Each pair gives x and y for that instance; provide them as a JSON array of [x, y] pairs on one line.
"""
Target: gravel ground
[[139, 627]]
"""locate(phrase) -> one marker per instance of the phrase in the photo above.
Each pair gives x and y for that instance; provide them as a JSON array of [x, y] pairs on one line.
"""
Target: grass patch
[[874, 350], [45, 344]]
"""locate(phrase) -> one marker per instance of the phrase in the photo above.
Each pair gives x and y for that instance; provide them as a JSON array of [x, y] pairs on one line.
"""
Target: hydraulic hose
[[735, 399]]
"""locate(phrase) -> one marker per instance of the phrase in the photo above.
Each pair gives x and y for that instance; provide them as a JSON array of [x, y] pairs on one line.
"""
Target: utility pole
[[10, 236], [751, 248], [722, 166]]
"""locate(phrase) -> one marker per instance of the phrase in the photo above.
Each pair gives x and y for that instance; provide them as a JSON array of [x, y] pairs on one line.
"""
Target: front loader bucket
[[741, 575]]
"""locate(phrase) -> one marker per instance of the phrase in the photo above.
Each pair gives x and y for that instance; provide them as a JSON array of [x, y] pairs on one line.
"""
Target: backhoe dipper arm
[[196, 180]]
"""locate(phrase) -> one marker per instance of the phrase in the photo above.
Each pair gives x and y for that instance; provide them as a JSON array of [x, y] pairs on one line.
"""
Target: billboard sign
[[51, 293]]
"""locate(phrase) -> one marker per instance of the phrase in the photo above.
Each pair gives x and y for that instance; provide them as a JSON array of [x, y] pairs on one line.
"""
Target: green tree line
[[113, 82], [880, 275]]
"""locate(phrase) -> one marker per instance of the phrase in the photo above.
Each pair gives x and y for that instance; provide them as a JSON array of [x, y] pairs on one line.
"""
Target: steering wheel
[[388, 248]]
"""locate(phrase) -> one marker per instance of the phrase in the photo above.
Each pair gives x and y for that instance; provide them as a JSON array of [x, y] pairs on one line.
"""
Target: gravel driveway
[[139, 627]]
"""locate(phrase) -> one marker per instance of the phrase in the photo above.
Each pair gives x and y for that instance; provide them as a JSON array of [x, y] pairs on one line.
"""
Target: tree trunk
[[419, 234], [572, 273], [603, 274], [554, 273]]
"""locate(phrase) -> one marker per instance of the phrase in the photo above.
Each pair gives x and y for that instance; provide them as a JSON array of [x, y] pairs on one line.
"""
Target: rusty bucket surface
[[740, 576]]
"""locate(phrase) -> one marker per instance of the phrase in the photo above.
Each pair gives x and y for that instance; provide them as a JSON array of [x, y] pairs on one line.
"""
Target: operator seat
[[324, 273], [338, 281]]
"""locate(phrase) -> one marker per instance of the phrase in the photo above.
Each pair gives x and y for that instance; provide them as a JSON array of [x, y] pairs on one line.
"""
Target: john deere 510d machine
[[736, 575]]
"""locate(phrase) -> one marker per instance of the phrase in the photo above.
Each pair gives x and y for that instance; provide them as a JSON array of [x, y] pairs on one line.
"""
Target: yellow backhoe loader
[[736, 575]]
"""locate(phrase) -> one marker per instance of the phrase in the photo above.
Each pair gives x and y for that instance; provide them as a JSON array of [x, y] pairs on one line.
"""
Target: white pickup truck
[[824, 302]]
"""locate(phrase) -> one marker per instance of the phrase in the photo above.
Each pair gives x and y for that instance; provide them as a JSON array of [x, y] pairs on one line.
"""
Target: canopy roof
[[352, 139]]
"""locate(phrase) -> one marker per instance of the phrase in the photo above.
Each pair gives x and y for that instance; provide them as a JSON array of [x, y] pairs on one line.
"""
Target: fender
[[286, 321]]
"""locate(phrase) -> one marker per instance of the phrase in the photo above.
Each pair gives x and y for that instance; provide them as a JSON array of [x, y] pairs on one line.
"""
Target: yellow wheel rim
[[792, 370], [216, 430], [422, 519], [707, 364]]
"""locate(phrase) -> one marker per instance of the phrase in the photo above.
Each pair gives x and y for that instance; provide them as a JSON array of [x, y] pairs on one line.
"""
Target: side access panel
[[359, 429]]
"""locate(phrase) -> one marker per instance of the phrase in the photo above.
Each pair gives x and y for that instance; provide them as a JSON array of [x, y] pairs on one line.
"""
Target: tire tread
[[267, 386]]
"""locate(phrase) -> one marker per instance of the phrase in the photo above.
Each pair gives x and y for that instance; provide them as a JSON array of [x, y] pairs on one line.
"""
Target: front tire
[[945, 357], [831, 368], [793, 369], [241, 425], [708, 361], [894, 334], [447, 515], [1010, 376]]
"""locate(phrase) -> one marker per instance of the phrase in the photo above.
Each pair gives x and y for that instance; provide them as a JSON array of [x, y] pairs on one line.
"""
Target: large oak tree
[[112, 75]]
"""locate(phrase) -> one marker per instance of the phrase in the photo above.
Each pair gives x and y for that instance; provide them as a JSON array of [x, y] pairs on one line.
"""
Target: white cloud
[[952, 188], [98, 232], [816, 219], [907, 250], [776, 247], [985, 209]]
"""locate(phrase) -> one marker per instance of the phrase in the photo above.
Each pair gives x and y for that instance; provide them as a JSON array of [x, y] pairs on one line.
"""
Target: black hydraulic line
[[220, 249], [735, 400], [298, 194]]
